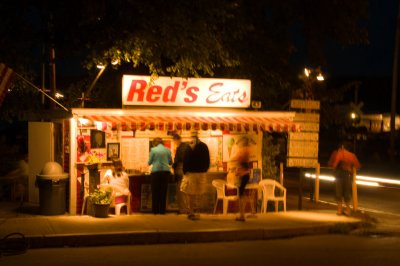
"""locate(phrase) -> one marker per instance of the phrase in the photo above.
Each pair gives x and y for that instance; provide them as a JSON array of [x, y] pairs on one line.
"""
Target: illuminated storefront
[[215, 108]]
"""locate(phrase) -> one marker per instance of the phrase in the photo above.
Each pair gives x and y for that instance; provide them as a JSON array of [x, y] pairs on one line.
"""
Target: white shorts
[[194, 183]]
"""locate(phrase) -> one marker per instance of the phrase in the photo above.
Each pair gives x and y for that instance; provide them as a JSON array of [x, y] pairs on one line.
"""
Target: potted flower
[[93, 161], [101, 200], [94, 158]]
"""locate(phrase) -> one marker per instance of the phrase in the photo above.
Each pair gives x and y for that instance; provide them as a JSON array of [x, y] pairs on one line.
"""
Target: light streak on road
[[379, 179], [361, 180], [321, 177]]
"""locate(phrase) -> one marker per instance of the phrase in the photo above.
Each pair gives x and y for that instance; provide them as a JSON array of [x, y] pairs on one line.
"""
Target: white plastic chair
[[118, 206], [221, 185], [268, 187]]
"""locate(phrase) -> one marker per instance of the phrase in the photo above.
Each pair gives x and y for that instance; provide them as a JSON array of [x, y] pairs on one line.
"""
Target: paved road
[[314, 250], [375, 199]]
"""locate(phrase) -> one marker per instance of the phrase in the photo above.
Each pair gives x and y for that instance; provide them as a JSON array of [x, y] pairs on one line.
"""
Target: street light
[[311, 75], [101, 68], [59, 95], [86, 94], [307, 72], [314, 73]]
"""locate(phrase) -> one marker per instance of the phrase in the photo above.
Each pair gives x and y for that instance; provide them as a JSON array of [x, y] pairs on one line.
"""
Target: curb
[[168, 237]]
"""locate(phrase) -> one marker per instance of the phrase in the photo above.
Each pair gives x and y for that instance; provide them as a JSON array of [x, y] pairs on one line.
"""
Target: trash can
[[52, 183]]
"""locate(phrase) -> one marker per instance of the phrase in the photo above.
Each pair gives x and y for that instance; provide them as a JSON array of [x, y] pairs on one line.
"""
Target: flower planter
[[94, 176], [94, 181], [101, 210]]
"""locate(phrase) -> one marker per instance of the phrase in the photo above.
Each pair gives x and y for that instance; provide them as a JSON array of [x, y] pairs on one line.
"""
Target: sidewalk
[[65, 230]]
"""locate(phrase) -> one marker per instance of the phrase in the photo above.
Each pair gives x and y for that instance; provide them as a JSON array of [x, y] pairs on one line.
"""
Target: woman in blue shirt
[[161, 160]]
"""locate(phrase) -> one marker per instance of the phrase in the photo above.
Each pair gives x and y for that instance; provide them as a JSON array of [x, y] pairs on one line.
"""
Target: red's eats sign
[[141, 90]]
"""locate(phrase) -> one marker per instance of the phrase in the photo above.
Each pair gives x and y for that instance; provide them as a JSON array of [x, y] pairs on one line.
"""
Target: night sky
[[376, 59], [371, 64]]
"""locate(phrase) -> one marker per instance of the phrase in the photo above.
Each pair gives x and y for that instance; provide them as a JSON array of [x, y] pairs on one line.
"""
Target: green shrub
[[101, 196]]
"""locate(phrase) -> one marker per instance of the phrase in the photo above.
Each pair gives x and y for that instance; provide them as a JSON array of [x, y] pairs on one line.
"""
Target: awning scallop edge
[[186, 119]]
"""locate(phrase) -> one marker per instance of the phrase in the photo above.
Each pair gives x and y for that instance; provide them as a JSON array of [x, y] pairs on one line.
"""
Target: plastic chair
[[221, 185], [268, 187], [85, 197], [117, 206]]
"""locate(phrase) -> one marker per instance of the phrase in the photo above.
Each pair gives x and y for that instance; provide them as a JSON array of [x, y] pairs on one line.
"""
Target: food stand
[[217, 109]]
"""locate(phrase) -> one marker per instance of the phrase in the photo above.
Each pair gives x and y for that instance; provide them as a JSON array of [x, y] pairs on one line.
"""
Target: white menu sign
[[135, 153]]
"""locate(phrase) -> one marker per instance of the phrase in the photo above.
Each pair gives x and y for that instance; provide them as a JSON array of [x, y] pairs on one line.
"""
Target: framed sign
[[97, 139], [145, 198], [172, 201], [112, 151]]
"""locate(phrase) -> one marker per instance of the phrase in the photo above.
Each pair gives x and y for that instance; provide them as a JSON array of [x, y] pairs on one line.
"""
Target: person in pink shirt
[[343, 162]]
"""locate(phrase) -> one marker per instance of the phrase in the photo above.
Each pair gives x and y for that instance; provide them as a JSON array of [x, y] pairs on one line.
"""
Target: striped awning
[[192, 119]]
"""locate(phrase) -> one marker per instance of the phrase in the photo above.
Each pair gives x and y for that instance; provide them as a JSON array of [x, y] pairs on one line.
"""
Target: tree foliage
[[250, 39]]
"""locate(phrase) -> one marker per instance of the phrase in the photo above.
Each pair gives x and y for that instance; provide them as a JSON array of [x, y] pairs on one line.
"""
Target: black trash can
[[52, 183]]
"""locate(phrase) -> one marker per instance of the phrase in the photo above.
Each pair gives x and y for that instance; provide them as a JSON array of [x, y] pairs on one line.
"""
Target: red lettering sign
[[142, 90], [137, 87], [219, 95]]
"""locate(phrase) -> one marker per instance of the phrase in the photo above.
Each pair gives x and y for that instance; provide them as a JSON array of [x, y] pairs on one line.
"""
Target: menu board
[[135, 153], [303, 146]]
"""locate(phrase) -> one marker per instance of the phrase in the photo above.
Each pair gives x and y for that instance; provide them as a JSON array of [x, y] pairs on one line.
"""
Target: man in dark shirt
[[181, 149], [195, 166]]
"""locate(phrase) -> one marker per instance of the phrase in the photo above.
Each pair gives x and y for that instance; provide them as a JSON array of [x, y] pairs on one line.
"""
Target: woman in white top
[[117, 179]]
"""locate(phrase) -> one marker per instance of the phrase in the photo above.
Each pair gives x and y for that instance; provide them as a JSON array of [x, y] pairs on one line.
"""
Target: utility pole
[[43, 70], [52, 61], [394, 87]]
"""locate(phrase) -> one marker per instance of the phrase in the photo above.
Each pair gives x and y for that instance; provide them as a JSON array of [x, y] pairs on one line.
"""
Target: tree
[[249, 39], [270, 151], [282, 31]]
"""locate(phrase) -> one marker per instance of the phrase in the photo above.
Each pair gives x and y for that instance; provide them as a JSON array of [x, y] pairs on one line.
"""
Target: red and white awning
[[192, 119]]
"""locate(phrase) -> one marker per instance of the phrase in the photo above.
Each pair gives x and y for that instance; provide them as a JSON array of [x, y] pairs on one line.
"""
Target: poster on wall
[[135, 153], [145, 198], [112, 151], [83, 144], [97, 139], [234, 145], [256, 176], [172, 202]]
